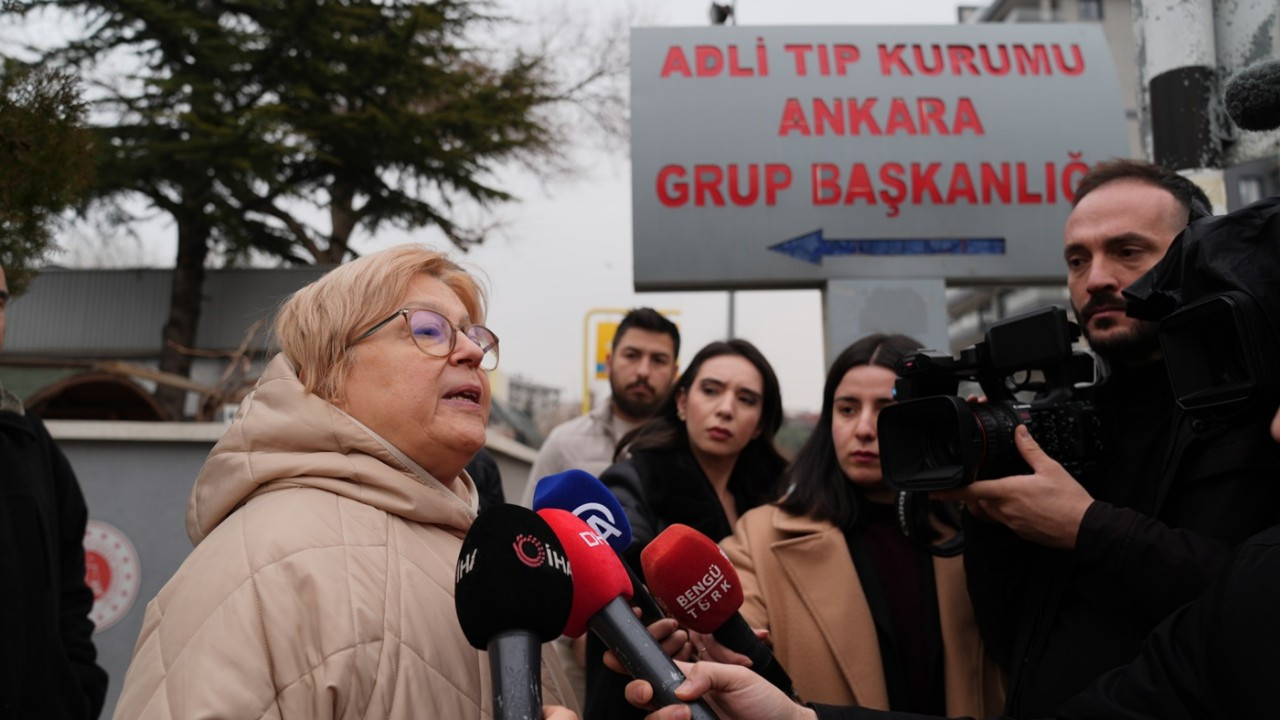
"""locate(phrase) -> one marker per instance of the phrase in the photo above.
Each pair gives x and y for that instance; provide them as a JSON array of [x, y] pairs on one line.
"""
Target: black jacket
[[1175, 496], [484, 472], [47, 657], [1214, 658]]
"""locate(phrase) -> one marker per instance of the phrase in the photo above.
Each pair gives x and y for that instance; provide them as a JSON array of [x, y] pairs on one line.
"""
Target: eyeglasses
[[437, 337]]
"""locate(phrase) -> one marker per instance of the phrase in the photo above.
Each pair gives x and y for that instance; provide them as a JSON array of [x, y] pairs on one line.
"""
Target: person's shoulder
[[278, 542], [23, 425], [772, 520], [571, 428], [1261, 548]]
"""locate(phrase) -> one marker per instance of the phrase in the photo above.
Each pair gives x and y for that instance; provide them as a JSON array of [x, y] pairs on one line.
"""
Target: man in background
[[641, 367], [48, 663]]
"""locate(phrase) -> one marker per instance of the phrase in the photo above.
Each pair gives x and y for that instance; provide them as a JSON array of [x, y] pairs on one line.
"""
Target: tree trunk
[[342, 220], [185, 298]]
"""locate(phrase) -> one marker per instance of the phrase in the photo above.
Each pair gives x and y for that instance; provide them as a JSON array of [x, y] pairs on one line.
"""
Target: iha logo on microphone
[[530, 550], [706, 592], [466, 564], [534, 553]]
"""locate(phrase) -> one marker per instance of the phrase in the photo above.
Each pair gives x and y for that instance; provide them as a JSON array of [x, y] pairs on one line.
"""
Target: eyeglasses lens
[[433, 334]]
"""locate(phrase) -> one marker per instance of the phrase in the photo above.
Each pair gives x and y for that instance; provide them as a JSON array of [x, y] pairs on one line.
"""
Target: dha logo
[[599, 518], [591, 539], [529, 550], [466, 564]]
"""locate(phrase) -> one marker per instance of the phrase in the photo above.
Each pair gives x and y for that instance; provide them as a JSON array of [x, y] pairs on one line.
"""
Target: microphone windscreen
[[512, 574], [1252, 96], [598, 573], [690, 575], [582, 494]]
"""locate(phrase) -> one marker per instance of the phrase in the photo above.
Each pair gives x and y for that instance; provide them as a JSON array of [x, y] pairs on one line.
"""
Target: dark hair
[[1187, 193], [665, 430], [817, 487], [649, 319]]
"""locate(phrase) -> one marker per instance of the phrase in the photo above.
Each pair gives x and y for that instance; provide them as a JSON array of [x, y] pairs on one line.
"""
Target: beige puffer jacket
[[321, 585]]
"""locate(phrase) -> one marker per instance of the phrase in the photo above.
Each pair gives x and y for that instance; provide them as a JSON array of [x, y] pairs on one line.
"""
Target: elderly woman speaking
[[328, 519]]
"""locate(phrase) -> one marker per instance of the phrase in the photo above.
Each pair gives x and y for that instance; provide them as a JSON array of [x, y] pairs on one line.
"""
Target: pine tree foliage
[[285, 126], [46, 156]]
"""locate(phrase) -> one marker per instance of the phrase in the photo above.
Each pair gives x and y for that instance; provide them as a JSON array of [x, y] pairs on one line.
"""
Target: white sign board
[[786, 156]]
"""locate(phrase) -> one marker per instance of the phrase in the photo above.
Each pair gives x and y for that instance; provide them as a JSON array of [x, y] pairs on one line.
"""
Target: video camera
[[932, 440]]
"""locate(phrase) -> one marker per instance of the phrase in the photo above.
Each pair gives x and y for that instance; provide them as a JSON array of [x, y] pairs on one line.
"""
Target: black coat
[[1213, 659], [47, 657], [1154, 540], [658, 488], [484, 472]]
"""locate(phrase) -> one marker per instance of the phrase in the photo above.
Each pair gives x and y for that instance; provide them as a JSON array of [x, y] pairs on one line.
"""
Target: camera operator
[[1066, 579], [1215, 658]]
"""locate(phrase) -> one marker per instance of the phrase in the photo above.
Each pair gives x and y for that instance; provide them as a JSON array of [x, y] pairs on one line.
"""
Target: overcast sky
[[565, 248]]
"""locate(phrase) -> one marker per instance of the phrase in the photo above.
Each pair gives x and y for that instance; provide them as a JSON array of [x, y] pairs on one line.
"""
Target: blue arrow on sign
[[811, 247]]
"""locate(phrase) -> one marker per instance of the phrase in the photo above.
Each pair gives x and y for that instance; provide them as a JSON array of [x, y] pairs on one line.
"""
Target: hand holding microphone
[[601, 595], [696, 583], [514, 591]]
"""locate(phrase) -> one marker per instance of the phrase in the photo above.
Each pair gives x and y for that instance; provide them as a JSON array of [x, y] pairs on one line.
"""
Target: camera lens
[[941, 449], [1000, 456], [928, 444]]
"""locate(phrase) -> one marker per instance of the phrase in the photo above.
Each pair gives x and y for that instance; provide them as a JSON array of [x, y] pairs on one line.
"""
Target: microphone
[[697, 584], [1252, 96], [582, 494], [601, 591], [513, 592]]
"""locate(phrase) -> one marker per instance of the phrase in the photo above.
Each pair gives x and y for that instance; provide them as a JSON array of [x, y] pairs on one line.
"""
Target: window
[[1090, 9], [1250, 187]]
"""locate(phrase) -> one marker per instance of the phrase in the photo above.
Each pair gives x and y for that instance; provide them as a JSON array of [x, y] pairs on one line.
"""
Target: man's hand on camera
[[1045, 507], [735, 692]]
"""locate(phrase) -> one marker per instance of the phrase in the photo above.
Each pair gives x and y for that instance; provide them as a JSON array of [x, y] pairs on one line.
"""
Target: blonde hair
[[318, 324]]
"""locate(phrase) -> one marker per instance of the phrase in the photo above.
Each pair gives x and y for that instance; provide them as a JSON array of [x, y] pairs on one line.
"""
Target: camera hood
[[1217, 295], [1237, 251]]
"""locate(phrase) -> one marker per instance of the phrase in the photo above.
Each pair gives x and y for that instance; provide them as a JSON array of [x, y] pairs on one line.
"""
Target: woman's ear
[[682, 401]]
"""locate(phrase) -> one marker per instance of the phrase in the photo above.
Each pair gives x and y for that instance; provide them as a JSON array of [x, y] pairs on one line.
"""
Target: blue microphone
[[582, 494]]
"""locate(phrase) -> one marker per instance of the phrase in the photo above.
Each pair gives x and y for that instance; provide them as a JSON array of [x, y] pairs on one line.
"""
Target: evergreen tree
[[241, 114], [46, 156]]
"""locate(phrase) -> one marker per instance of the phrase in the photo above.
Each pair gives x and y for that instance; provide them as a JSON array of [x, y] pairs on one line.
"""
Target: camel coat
[[800, 584]]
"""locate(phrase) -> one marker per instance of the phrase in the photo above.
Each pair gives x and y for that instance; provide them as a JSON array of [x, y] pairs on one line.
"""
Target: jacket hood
[[285, 437]]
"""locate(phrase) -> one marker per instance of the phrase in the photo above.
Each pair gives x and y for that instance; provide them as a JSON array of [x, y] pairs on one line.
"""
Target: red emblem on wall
[[112, 572]]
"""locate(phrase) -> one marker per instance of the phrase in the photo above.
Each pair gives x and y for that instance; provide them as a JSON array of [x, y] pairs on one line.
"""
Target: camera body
[[932, 440]]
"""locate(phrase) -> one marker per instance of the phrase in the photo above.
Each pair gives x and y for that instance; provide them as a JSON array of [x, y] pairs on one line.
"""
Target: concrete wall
[[137, 476]]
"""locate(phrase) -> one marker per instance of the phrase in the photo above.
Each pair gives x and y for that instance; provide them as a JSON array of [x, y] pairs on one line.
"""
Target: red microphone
[[601, 590], [697, 585]]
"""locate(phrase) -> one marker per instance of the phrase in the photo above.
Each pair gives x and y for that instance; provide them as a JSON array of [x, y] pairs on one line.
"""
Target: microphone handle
[[650, 611], [641, 655], [515, 667], [736, 635]]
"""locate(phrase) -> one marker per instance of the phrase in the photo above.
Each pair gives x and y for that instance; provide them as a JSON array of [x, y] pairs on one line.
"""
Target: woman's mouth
[[468, 393], [719, 434]]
